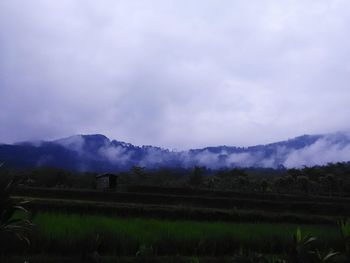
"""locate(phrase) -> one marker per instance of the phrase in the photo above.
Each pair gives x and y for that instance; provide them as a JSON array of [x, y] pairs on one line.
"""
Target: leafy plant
[[324, 256], [12, 220], [91, 251], [344, 226], [301, 247], [302, 242], [145, 253]]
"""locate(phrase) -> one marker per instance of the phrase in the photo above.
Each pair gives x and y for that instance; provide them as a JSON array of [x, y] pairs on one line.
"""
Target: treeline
[[331, 179]]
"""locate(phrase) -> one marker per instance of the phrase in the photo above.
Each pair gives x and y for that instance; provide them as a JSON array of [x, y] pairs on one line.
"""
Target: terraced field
[[200, 224]]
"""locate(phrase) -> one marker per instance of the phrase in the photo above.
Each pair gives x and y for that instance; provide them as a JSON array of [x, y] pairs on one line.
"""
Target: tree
[[236, 172], [264, 186], [139, 173], [304, 182], [196, 176]]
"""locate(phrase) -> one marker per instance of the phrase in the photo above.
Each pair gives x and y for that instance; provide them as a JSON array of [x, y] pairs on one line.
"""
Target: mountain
[[100, 154]]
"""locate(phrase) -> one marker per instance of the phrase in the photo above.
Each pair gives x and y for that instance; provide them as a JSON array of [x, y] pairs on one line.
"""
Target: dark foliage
[[13, 222]]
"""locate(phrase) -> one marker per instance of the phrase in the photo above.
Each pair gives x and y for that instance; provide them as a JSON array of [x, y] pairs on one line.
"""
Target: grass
[[58, 233]]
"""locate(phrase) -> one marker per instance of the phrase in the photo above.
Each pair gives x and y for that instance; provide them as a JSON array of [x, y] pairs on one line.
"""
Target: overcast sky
[[177, 74]]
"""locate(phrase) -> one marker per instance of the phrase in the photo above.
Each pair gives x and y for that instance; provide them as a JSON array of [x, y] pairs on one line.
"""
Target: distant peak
[[95, 137]]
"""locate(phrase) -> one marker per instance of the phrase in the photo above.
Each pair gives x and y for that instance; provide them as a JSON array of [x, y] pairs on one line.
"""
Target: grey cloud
[[177, 74], [323, 151], [154, 157], [115, 154], [330, 148], [75, 143], [241, 159], [206, 158]]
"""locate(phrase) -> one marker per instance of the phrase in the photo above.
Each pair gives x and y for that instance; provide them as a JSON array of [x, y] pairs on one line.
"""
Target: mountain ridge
[[96, 152]]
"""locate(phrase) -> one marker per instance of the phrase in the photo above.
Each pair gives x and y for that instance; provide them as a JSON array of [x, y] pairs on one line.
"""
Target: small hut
[[106, 181]]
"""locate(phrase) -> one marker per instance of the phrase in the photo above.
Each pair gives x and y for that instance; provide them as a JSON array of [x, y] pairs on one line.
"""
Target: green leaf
[[298, 235], [330, 255]]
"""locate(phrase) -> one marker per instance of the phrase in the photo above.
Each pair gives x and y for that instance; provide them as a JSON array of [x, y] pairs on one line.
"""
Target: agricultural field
[[205, 226], [59, 233], [150, 222]]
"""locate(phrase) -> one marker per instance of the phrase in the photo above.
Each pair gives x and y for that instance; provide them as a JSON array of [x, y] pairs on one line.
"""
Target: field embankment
[[309, 207]]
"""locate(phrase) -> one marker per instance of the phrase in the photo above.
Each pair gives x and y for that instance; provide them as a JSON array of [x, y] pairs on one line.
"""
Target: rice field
[[60, 233]]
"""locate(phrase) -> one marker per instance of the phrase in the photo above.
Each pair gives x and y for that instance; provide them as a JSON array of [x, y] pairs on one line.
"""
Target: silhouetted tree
[[304, 183], [139, 173], [196, 176], [264, 186]]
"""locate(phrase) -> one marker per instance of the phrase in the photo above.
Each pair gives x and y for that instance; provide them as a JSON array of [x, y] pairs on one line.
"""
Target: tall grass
[[73, 233]]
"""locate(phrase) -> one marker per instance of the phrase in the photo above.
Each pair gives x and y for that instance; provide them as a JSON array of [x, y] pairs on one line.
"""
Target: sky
[[178, 74]]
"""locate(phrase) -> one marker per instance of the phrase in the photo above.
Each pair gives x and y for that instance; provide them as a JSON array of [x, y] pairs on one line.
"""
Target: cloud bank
[[177, 74]]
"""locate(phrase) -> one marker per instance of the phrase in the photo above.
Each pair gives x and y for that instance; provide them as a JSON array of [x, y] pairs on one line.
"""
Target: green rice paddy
[[69, 233]]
